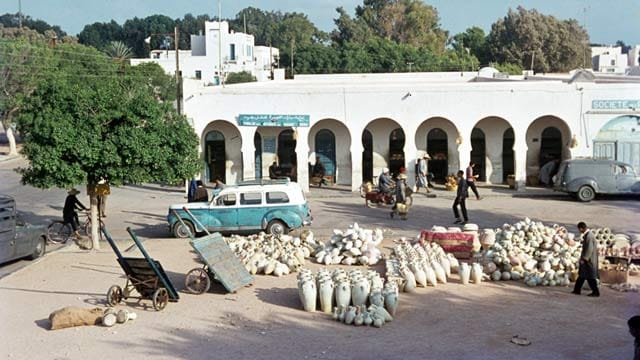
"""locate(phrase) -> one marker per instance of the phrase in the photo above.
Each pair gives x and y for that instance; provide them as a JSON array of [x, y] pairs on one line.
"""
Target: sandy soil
[[266, 320]]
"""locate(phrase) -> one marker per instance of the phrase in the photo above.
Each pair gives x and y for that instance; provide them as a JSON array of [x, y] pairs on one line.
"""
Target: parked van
[[585, 178], [274, 206], [18, 239]]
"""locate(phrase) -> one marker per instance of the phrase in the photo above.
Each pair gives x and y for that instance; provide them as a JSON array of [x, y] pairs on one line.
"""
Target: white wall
[[438, 103]]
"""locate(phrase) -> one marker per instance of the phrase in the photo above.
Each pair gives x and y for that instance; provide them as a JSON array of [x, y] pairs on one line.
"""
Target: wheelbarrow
[[220, 263], [144, 275]]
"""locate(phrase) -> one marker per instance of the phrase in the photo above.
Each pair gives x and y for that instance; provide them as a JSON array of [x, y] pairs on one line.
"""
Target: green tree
[[85, 122], [162, 85], [12, 20], [404, 21], [240, 77], [23, 56], [350, 30], [317, 59], [526, 36], [473, 41], [99, 35]]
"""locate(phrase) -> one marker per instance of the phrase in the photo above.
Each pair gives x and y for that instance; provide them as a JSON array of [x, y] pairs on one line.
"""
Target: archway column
[[302, 157], [410, 154], [464, 148], [520, 158], [356, 157], [248, 149]]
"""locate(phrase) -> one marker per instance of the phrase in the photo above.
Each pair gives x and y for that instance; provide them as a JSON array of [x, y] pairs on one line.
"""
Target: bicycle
[[59, 232]]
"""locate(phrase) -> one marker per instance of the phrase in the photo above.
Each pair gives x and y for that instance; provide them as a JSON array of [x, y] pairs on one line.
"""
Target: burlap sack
[[75, 316]]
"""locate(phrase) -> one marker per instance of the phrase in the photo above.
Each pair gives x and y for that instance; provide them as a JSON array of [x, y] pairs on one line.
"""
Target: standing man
[[422, 173], [634, 330], [471, 179], [461, 197], [588, 269], [102, 190]]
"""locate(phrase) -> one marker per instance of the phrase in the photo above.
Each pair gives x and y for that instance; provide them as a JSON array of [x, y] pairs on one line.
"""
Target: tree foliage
[[554, 45], [473, 41], [85, 122], [240, 77], [40, 26]]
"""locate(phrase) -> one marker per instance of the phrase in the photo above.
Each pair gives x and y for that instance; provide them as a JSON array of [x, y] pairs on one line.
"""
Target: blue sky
[[606, 21]]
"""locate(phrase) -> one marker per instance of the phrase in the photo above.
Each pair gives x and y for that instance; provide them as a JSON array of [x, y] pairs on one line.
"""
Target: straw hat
[[426, 156], [73, 191]]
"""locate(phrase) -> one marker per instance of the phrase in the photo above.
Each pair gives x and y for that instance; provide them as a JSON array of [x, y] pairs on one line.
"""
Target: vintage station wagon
[[18, 238], [274, 206], [585, 178]]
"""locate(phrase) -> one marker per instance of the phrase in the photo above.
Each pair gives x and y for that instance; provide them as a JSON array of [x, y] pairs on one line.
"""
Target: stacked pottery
[[532, 252], [351, 247], [272, 255], [412, 266]]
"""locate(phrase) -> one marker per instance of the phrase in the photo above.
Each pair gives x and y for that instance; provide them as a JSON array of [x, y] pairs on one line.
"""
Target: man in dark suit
[[588, 269], [461, 198]]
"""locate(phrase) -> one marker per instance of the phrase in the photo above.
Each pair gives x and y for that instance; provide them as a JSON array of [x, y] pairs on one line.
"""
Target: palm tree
[[120, 52]]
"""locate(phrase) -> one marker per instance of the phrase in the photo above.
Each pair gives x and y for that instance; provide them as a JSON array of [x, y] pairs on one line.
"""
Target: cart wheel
[[114, 295], [197, 281], [160, 299]]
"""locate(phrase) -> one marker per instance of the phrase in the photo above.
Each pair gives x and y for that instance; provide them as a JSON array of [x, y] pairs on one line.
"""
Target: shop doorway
[[215, 156], [508, 158], [438, 149], [257, 144], [367, 156], [550, 145], [478, 154], [396, 151], [286, 151], [326, 149]]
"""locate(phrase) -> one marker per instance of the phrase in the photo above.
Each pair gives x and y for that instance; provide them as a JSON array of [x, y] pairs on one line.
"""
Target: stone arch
[[550, 126], [619, 139], [340, 166], [442, 148], [491, 166], [221, 138], [381, 129]]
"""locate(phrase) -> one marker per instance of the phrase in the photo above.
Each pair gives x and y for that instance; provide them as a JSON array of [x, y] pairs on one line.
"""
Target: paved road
[[144, 209]]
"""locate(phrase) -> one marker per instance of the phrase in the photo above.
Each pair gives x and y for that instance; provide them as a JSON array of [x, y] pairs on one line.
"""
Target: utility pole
[[533, 56], [221, 76], [20, 14], [293, 43], [178, 74]]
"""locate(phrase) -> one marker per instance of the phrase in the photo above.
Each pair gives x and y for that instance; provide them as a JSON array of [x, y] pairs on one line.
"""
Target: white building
[[212, 55], [610, 59], [359, 123]]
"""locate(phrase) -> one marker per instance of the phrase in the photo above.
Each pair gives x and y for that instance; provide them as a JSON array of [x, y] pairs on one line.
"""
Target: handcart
[[220, 263], [145, 275]]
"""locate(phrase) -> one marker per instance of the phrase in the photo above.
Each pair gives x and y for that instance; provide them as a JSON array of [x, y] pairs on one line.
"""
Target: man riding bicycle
[[69, 214]]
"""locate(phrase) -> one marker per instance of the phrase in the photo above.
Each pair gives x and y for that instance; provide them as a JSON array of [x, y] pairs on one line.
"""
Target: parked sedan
[[18, 239]]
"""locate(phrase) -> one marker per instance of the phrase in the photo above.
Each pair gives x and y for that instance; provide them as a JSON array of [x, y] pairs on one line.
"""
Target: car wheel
[[183, 231], [277, 228], [39, 249], [586, 193]]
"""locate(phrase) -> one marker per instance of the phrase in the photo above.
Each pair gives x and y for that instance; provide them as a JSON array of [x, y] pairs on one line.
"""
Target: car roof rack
[[280, 180]]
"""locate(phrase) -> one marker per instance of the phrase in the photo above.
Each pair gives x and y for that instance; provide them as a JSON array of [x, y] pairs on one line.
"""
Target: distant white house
[[610, 59], [217, 53]]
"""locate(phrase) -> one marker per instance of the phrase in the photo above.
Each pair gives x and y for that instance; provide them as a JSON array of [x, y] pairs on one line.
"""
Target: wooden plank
[[222, 262]]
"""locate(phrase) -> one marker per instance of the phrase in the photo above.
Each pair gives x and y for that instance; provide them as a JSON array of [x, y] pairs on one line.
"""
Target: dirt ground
[[266, 320]]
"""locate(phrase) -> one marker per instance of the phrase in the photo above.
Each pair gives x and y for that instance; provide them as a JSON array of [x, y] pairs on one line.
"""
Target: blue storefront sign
[[615, 104], [273, 120]]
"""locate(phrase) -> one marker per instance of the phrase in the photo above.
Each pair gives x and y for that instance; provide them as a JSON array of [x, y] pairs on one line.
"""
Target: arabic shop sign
[[615, 104], [273, 120]]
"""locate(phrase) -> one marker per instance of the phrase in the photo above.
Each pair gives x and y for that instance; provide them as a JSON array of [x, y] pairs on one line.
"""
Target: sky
[[606, 21]]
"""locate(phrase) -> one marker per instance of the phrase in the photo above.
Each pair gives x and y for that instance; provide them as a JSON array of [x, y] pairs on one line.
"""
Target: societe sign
[[273, 120], [615, 104]]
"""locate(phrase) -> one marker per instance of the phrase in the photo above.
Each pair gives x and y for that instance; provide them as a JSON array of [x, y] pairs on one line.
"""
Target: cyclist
[[69, 214]]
